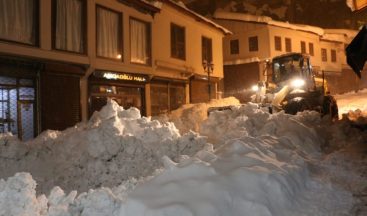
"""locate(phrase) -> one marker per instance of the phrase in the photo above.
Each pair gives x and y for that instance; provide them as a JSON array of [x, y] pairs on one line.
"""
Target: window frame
[[120, 32], [234, 43], [311, 49], [149, 40], [324, 55], [252, 46], [333, 56], [84, 28], [36, 23], [303, 47], [288, 44], [210, 40], [277, 43], [174, 54]]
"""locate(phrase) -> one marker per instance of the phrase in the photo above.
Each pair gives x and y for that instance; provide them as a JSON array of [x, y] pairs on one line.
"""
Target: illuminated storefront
[[128, 90]]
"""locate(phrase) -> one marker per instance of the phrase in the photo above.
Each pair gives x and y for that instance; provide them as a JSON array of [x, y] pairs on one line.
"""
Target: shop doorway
[[125, 96], [17, 107]]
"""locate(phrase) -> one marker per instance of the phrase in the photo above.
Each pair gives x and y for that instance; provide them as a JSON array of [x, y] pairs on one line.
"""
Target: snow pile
[[247, 176], [115, 145], [352, 101], [353, 106], [260, 166], [248, 120], [190, 116], [18, 197]]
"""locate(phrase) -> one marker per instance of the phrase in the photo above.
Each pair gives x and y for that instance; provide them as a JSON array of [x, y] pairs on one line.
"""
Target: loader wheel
[[296, 106], [330, 107]]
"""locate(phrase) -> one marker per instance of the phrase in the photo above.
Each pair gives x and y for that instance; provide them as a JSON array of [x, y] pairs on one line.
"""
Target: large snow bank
[[261, 166], [190, 116], [353, 106], [115, 145], [351, 101]]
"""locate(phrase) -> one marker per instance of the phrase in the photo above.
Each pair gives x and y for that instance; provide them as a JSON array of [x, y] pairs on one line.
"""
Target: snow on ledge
[[267, 20], [350, 4], [242, 61]]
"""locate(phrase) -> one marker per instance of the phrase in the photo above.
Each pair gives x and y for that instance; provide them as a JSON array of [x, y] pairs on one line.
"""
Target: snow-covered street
[[242, 161]]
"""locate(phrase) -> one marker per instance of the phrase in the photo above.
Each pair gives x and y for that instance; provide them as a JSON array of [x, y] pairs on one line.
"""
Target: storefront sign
[[120, 76]]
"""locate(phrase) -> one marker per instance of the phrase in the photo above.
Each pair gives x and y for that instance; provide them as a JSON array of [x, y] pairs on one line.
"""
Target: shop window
[[166, 97], [109, 33], [177, 96], [159, 99], [125, 96], [311, 49], [178, 42], [140, 43], [288, 45], [253, 44], [206, 49], [235, 47], [324, 55], [303, 47], [18, 21], [69, 25], [17, 107], [278, 43]]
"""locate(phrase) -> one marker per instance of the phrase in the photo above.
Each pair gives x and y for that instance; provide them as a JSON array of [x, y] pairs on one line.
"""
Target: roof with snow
[[142, 5], [181, 6], [339, 35], [267, 20]]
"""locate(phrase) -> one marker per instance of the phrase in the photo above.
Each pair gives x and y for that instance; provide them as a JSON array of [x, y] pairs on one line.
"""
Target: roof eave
[[141, 6]]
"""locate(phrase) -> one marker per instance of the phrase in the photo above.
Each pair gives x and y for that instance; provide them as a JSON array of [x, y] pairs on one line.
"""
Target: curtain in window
[[17, 20], [108, 36], [139, 42], [68, 34]]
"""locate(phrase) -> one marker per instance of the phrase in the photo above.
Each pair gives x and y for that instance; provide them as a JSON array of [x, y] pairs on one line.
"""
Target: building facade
[[258, 39], [61, 60]]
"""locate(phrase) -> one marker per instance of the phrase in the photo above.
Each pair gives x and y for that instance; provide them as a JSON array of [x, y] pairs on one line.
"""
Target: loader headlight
[[255, 88], [297, 83]]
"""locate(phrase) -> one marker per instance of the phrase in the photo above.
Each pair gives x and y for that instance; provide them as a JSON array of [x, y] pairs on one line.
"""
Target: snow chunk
[[18, 197]]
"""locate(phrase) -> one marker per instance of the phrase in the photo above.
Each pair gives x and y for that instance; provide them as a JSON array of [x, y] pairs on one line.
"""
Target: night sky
[[322, 13]]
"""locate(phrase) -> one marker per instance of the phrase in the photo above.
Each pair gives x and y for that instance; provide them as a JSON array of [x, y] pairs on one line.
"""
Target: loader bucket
[[356, 51]]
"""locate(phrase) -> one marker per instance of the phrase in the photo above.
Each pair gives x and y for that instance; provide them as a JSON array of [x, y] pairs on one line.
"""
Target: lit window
[[109, 34], [18, 21], [140, 42], [69, 22]]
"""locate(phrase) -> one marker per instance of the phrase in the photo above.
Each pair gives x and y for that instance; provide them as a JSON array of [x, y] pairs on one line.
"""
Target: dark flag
[[357, 51]]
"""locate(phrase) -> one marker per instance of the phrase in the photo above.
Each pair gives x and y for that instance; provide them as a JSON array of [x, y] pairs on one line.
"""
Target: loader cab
[[291, 65]]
